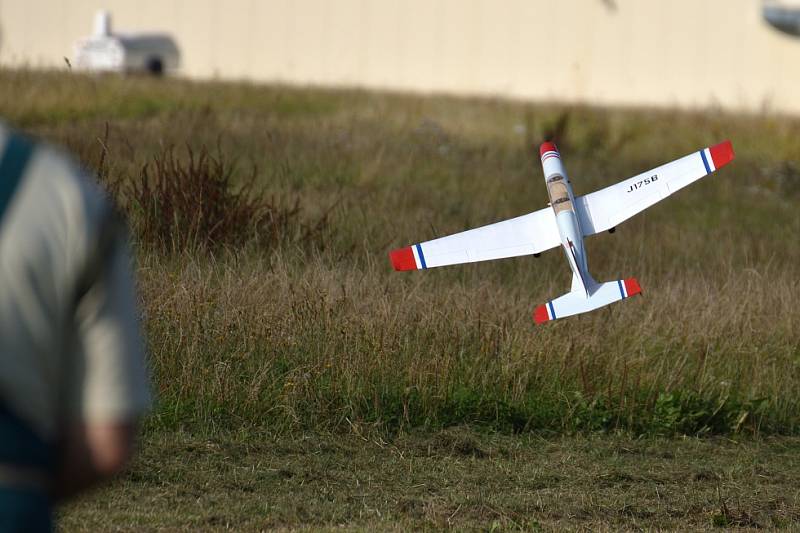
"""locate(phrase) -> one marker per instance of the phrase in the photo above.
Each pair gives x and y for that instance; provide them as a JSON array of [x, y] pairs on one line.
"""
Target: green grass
[[310, 332], [307, 333], [455, 478]]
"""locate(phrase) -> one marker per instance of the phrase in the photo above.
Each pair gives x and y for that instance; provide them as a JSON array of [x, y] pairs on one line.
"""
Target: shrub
[[199, 202]]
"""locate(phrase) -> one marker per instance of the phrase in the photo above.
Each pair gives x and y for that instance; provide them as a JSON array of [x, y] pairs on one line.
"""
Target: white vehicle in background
[[565, 223], [783, 15], [106, 51]]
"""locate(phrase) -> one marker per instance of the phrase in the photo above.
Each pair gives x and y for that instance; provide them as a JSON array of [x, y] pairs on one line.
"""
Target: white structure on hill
[[720, 53], [106, 51]]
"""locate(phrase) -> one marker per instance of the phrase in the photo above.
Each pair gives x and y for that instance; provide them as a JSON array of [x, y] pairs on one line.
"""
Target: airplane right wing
[[528, 234], [604, 209]]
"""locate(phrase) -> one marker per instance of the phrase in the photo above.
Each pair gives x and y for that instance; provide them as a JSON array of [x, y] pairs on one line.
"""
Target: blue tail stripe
[[421, 256], [621, 292], [552, 311], [705, 161]]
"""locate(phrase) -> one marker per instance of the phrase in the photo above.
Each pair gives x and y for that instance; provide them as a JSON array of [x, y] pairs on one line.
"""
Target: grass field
[[454, 478], [274, 313]]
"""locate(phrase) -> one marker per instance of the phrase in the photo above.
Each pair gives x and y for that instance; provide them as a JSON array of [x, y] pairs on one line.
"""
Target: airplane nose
[[547, 147]]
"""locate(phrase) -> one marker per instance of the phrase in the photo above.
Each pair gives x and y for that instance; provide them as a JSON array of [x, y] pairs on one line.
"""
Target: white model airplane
[[567, 223]]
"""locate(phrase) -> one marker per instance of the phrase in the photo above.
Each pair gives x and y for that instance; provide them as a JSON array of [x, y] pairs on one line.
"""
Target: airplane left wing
[[528, 234], [604, 209]]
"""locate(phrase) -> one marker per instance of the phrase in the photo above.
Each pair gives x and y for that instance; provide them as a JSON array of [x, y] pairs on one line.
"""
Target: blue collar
[[12, 166]]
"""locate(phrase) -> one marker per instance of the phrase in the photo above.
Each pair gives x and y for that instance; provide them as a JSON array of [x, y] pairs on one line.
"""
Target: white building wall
[[633, 52]]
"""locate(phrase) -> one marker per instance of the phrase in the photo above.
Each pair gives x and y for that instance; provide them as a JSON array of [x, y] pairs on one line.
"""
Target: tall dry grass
[[320, 333]]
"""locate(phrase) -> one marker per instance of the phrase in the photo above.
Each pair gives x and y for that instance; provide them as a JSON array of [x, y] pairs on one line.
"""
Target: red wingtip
[[403, 259], [722, 154], [547, 147], [632, 287], [540, 315]]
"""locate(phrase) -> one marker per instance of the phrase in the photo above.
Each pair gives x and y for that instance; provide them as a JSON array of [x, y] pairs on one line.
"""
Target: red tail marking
[[540, 315], [403, 259], [632, 287], [722, 154]]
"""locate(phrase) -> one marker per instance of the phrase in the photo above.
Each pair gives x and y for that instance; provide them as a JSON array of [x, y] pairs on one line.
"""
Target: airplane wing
[[529, 234], [604, 209]]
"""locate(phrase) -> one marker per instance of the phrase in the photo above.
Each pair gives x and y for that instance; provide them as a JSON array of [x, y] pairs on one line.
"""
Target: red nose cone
[[547, 147]]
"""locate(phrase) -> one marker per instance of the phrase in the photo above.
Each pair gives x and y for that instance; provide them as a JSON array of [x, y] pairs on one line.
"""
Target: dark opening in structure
[[155, 66]]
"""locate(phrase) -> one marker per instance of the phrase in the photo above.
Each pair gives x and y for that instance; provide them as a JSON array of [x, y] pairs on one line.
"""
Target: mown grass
[[316, 332], [450, 479]]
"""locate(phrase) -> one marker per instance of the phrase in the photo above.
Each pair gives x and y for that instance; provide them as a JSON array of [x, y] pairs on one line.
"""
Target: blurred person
[[73, 381]]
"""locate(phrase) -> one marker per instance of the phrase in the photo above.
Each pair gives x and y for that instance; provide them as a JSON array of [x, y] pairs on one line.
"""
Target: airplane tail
[[576, 302]]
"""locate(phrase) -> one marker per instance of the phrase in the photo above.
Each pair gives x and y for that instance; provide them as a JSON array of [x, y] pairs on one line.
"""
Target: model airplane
[[566, 222]]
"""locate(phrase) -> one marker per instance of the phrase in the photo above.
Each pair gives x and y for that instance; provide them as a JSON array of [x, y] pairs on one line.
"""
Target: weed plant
[[269, 301]]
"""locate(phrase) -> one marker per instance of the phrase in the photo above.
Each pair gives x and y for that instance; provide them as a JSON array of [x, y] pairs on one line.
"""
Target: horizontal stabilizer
[[576, 302]]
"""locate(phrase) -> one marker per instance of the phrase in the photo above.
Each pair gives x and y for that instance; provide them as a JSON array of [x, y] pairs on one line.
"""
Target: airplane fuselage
[[562, 202]]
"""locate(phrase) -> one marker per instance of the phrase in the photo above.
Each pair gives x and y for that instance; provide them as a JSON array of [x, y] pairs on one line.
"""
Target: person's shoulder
[[55, 180], [59, 206]]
